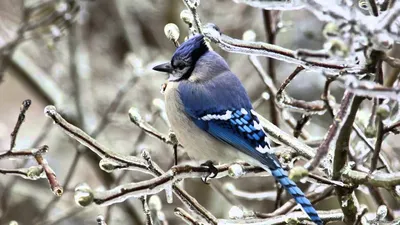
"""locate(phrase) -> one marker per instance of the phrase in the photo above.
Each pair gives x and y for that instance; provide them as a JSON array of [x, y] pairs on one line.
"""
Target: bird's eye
[[180, 66]]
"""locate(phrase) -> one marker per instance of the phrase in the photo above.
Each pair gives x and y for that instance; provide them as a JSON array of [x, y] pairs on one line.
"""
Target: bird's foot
[[212, 171]]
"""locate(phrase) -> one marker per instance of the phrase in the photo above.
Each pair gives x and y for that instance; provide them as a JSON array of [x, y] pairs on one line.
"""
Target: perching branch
[[264, 49]]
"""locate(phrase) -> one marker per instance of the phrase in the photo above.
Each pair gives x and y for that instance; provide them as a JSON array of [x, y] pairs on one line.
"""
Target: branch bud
[[83, 195]]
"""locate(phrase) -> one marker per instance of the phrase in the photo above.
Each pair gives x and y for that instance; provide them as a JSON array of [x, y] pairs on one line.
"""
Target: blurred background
[[81, 65]]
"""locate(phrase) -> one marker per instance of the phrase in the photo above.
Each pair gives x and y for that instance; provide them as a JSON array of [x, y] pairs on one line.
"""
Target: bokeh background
[[110, 42]]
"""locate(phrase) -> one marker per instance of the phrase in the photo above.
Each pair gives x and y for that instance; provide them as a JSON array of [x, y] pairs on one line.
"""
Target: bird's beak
[[165, 67]]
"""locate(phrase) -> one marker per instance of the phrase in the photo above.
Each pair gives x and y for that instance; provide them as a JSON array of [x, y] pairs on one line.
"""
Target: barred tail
[[297, 194]]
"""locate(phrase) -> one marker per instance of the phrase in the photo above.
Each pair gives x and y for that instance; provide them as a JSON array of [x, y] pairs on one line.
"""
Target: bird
[[212, 116]]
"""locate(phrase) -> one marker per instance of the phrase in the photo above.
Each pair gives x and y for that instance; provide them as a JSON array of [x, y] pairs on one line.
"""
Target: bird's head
[[184, 59]]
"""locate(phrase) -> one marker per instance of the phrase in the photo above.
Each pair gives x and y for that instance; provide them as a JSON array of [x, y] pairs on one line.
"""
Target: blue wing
[[241, 130], [209, 103]]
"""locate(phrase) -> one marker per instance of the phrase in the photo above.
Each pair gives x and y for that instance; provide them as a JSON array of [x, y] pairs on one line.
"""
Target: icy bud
[[363, 4], [213, 32], [171, 31], [330, 30], [193, 4], [249, 35], [265, 96], [382, 41], [235, 171], [108, 165], [187, 17], [83, 195], [370, 131], [383, 111], [297, 173], [155, 203], [135, 115], [50, 110], [236, 212], [381, 212], [34, 172], [100, 220]]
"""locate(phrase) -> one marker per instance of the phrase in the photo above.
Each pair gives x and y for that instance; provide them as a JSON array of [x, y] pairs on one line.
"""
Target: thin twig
[[21, 117], [337, 125], [300, 124], [270, 31], [185, 216], [51, 176], [146, 210], [379, 129]]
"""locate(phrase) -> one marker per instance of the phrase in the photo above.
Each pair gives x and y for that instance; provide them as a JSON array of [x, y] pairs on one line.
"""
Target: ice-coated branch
[[372, 7], [85, 195], [285, 101], [280, 136], [137, 119], [21, 117], [315, 197], [371, 89], [294, 217], [377, 179], [341, 149], [163, 181], [31, 173], [51, 176], [394, 128], [267, 195], [24, 153], [91, 143], [146, 210], [274, 4], [185, 216], [268, 50], [334, 130], [287, 116], [192, 6]]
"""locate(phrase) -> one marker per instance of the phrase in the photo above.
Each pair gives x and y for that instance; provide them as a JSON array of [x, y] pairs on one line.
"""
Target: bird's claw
[[213, 171]]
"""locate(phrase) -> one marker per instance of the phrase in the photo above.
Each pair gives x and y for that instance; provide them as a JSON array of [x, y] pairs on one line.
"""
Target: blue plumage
[[214, 100]]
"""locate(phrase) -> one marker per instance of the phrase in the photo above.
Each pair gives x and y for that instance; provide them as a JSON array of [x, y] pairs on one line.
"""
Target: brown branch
[[394, 128], [270, 30], [383, 180], [372, 7], [289, 205], [133, 163], [185, 216], [24, 153], [300, 124], [285, 101], [51, 176], [288, 118], [290, 218], [146, 210], [340, 157], [21, 117], [379, 130], [268, 50], [334, 130]]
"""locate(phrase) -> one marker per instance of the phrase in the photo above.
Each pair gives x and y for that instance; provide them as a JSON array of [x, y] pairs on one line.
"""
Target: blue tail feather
[[297, 194]]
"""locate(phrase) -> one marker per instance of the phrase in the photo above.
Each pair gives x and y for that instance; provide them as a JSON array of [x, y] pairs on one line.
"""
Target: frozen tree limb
[[326, 216], [268, 50]]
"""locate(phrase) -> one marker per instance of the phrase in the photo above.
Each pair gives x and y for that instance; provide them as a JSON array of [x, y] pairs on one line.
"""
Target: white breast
[[197, 143]]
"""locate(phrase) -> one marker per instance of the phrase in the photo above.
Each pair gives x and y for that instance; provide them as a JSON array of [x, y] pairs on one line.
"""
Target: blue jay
[[212, 116]]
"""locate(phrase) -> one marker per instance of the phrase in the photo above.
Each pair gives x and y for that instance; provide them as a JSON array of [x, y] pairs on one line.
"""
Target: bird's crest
[[191, 50]]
